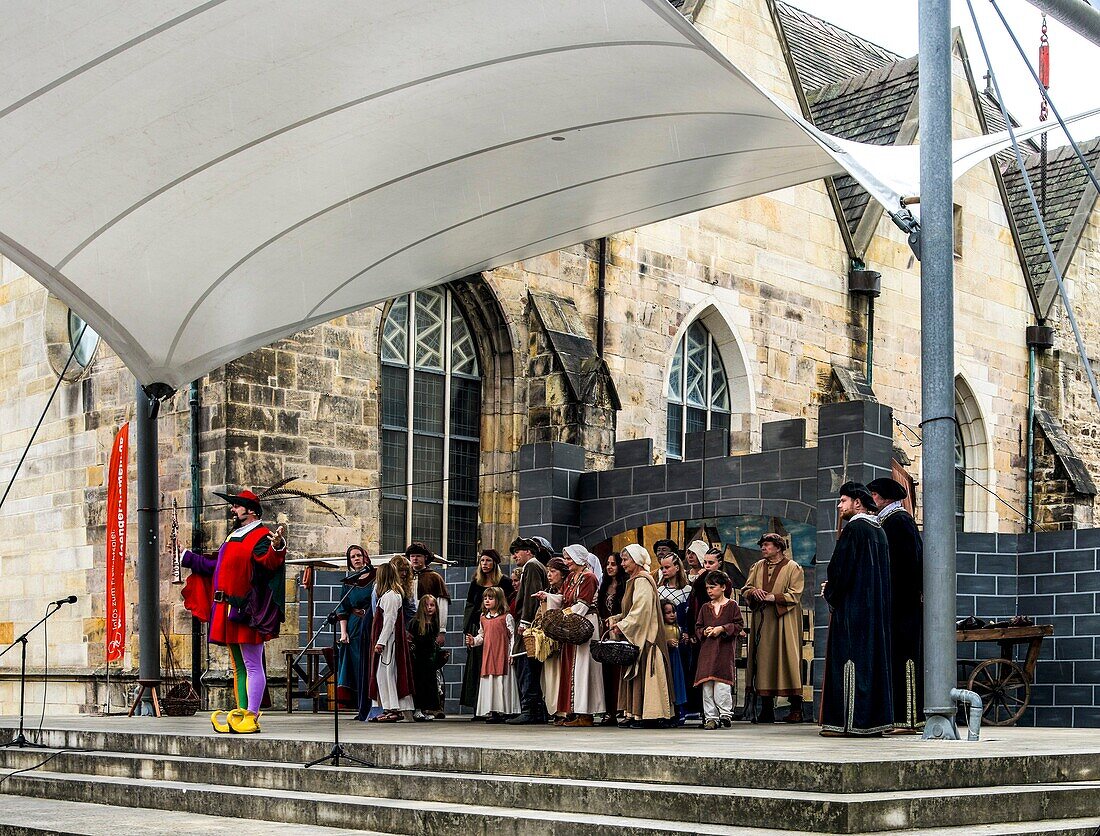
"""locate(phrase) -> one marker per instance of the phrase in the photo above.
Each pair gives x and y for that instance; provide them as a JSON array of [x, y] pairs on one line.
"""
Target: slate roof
[[870, 108], [1070, 462], [1070, 197], [572, 347], [824, 53]]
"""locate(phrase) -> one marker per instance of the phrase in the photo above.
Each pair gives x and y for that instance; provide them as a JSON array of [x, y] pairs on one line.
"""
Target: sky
[[1073, 60]]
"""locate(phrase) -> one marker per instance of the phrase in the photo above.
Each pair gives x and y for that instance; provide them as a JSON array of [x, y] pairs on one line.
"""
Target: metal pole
[[148, 559], [195, 404], [1077, 15], [937, 366]]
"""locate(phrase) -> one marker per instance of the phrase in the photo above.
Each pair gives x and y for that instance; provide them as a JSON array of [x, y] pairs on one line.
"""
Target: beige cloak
[[646, 689], [776, 629]]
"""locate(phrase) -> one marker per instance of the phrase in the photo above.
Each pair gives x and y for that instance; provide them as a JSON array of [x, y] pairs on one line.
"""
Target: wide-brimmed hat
[[668, 544], [889, 489], [246, 499], [420, 549], [524, 544]]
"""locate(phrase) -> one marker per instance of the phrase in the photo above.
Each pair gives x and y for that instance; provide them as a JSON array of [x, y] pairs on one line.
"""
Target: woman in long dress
[[609, 602], [354, 614], [580, 683], [391, 684], [488, 575], [556, 572], [645, 695]]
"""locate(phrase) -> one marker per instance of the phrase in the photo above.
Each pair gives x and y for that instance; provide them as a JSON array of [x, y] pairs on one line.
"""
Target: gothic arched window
[[431, 426], [698, 390], [960, 479]]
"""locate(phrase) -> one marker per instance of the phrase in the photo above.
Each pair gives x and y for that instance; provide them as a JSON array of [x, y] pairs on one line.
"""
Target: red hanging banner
[[116, 544]]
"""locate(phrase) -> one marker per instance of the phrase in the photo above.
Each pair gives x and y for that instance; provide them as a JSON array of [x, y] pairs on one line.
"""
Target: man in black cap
[[856, 695], [907, 617], [532, 579]]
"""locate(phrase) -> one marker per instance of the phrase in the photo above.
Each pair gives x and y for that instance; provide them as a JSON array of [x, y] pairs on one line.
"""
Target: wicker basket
[[567, 627], [538, 645], [179, 700], [607, 652]]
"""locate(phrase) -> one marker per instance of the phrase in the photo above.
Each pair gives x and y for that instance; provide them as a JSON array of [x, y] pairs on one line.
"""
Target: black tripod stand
[[20, 739], [337, 752]]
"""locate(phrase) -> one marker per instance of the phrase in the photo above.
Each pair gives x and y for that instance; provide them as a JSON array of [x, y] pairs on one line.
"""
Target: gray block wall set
[[1053, 577]]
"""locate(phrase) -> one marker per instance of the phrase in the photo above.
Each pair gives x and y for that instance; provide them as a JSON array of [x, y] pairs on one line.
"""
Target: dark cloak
[[856, 696], [907, 618], [471, 623]]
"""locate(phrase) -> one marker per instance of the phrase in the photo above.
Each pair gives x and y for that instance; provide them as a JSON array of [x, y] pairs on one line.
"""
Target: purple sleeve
[[200, 564]]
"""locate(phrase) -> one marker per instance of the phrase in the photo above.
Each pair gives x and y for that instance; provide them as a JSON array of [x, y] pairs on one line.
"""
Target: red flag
[[116, 545]]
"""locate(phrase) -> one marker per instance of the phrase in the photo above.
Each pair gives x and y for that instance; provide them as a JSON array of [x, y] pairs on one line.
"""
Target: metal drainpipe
[[195, 403], [974, 714], [1039, 338], [870, 340], [601, 289], [864, 282]]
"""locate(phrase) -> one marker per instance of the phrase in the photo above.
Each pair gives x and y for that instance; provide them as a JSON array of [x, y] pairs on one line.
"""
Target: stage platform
[[456, 777]]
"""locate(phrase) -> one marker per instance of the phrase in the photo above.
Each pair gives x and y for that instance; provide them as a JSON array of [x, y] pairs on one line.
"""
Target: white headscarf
[[594, 567], [578, 554], [639, 555], [699, 549]]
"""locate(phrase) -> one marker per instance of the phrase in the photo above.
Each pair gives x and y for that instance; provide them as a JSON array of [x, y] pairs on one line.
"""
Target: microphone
[[70, 600], [354, 576]]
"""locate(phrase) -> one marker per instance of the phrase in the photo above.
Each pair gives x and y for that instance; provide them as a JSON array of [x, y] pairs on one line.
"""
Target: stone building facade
[[575, 346]]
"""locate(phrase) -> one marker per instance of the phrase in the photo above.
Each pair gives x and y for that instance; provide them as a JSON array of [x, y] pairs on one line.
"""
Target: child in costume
[[718, 628], [391, 684], [497, 694], [674, 635], [426, 658], [240, 592]]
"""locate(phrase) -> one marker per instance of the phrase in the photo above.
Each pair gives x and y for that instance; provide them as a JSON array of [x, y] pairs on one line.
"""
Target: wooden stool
[[151, 686]]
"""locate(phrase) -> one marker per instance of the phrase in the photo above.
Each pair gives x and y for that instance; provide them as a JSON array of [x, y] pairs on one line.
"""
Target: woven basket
[[623, 654], [179, 700], [567, 627]]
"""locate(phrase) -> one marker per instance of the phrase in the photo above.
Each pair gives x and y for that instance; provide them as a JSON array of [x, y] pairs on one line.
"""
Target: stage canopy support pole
[[937, 366], [148, 557]]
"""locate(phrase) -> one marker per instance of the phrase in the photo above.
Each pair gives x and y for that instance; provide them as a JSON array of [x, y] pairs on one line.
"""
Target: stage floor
[[771, 742]]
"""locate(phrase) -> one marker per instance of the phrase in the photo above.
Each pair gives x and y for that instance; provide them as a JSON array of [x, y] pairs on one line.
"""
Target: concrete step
[[606, 756], [657, 802], [23, 816]]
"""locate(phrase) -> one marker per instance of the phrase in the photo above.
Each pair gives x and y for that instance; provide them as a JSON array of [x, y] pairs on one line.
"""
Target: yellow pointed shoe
[[221, 726], [244, 722]]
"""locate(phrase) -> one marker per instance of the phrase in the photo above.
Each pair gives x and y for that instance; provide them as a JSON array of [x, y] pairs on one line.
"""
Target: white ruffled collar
[[871, 518]]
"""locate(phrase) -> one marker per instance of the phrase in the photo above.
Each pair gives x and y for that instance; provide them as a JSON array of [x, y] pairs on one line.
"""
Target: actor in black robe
[[907, 617], [857, 698]]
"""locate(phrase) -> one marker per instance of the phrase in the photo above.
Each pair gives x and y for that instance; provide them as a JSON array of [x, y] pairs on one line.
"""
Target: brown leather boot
[[581, 720], [794, 715]]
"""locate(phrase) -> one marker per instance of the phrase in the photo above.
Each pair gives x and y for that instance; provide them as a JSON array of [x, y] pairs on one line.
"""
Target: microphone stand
[[338, 751], [20, 739]]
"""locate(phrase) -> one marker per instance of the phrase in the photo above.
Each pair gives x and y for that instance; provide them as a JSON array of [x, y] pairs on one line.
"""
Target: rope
[[1031, 191], [42, 417]]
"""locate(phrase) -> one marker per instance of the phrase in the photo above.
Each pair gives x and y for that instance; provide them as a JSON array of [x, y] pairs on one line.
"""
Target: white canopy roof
[[197, 180]]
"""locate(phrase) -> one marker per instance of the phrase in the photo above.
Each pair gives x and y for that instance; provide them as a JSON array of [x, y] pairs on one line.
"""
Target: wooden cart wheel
[[1004, 689]]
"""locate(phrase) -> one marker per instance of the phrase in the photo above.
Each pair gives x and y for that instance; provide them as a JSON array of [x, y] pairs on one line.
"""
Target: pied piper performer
[[645, 696], [240, 592], [906, 606], [774, 594], [856, 694]]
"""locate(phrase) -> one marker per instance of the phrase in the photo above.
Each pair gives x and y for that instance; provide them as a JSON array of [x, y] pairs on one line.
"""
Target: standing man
[[240, 592], [774, 594], [907, 617], [427, 581], [856, 695], [532, 580]]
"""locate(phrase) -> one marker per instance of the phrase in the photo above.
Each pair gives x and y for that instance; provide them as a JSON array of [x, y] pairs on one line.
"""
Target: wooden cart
[[1003, 683]]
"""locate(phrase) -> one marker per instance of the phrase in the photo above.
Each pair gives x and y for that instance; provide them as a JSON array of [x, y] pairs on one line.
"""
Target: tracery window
[[960, 479], [698, 389], [431, 422]]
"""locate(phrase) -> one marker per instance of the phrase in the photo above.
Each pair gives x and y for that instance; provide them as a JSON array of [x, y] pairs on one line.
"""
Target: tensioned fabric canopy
[[197, 180]]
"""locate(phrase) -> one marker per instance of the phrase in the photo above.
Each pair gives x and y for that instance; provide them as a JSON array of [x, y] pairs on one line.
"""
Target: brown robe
[[646, 689], [776, 629], [718, 654]]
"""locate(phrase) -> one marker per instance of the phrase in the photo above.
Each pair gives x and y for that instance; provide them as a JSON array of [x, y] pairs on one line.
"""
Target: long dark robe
[[425, 664], [471, 623], [857, 697], [609, 602], [351, 673], [907, 618]]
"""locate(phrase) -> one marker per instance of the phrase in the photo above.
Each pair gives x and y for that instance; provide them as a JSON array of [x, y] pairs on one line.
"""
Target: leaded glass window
[[960, 479], [431, 426], [698, 390]]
